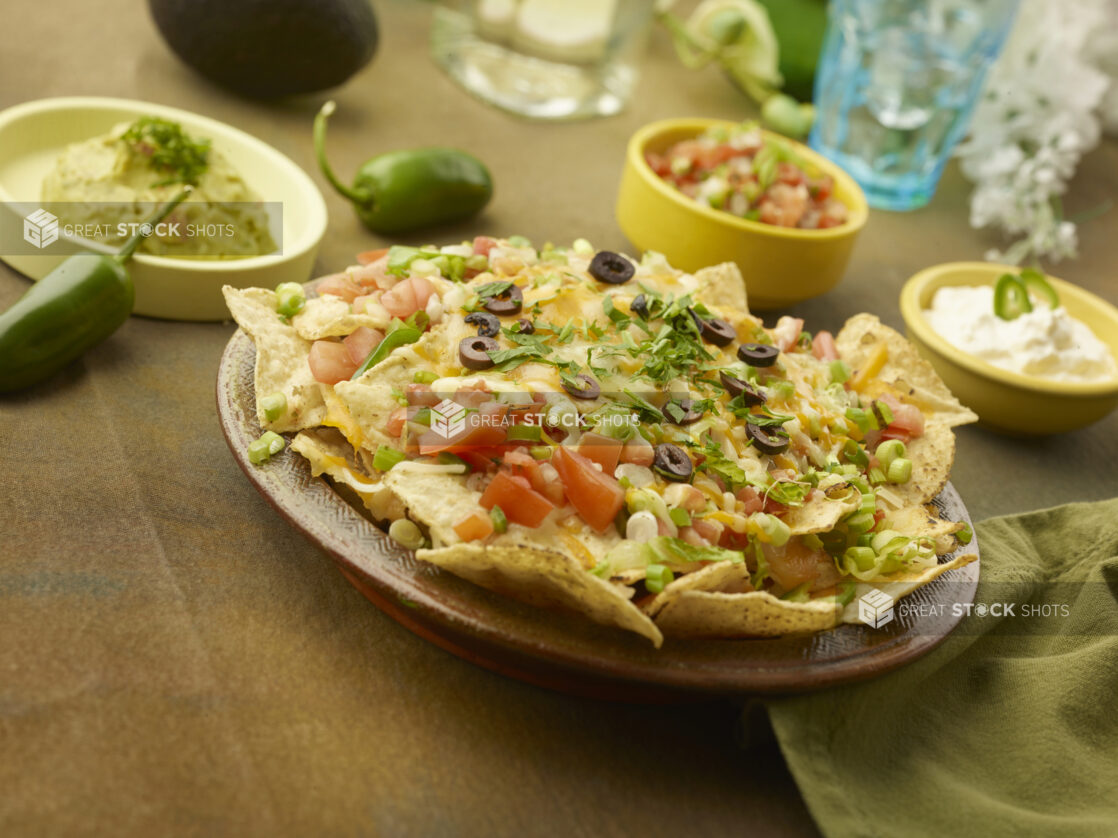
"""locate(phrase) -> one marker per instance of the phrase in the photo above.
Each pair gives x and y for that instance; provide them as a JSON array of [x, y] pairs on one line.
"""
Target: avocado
[[268, 49]]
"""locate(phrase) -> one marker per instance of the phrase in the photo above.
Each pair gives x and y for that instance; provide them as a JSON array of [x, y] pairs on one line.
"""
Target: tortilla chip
[[902, 584], [755, 614], [722, 285], [932, 456], [924, 522], [912, 377], [720, 576], [281, 360], [330, 316], [820, 514], [329, 453]]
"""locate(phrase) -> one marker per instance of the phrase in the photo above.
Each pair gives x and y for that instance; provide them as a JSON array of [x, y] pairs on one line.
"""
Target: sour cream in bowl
[[1049, 370]]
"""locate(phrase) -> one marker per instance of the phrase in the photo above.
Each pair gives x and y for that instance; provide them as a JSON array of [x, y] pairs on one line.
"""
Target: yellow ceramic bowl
[[781, 266], [1022, 405]]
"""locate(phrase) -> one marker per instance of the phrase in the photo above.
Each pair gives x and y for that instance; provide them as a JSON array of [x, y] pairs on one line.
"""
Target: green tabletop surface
[[176, 660]]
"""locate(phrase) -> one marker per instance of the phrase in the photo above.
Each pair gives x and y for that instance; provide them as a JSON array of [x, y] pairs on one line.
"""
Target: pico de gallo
[[741, 171]]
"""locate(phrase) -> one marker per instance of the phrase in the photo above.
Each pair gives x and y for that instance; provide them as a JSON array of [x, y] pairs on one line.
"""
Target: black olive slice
[[758, 354], [766, 442], [671, 462], [716, 331], [750, 395], [474, 352], [684, 409], [639, 306], [488, 325], [509, 301], [527, 327], [590, 389], [611, 268]]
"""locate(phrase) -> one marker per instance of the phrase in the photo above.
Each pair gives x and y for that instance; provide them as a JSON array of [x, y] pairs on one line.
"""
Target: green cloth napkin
[[1010, 728]]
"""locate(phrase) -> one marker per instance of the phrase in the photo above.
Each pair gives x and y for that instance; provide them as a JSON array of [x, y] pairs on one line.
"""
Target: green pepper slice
[[1011, 299], [1034, 281], [398, 337]]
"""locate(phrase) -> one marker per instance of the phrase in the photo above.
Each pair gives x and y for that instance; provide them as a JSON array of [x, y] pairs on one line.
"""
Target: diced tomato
[[361, 342], [710, 530], [474, 435], [483, 244], [421, 394], [525, 465], [787, 331], [330, 361], [823, 346], [394, 426], [375, 274], [479, 459], [784, 205], [520, 503], [751, 498], [659, 163], [789, 173], [406, 298], [791, 565], [367, 257], [474, 525], [600, 448], [821, 187], [597, 496], [638, 451], [908, 421], [340, 285], [692, 536]]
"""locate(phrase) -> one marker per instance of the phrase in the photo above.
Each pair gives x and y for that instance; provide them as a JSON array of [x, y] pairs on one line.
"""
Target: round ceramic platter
[[33, 134], [565, 651]]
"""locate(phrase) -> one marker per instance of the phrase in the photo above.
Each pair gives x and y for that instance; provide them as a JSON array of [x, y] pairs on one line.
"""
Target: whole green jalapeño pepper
[[408, 190], [70, 310]]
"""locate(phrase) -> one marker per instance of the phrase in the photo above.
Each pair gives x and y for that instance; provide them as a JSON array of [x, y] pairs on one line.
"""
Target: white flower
[[1039, 113]]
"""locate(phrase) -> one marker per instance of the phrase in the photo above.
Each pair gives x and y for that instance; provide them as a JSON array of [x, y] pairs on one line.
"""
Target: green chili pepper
[[408, 190], [70, 310], [1034, 281], [1011, 299], [399, 337]]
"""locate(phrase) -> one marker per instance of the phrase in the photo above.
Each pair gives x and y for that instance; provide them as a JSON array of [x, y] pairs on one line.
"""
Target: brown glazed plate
[[562, 651]]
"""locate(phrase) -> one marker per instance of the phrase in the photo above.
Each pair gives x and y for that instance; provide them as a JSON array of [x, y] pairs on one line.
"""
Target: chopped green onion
[[273, 405], [540, 452], [869, 503], [855, 453], [500, 522], [624, 482], [524, 433], [864, 419], [269, 443], [863, 558], [386, 457], [840, 372], [775, 530], [448, 459], [965, 535], [519, 241], [882, 413], [888, 451], [405, 533], [657, 577], [425, 377], [860, 522], [899, 471], [680, 517], [290, 298], [876, 475], [783, 389]]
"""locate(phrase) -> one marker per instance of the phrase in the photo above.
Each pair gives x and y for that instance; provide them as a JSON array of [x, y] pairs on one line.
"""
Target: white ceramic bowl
[[34, 133]]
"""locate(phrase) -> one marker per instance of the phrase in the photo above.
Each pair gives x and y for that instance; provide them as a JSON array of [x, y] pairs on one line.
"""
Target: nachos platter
[[579, 429]]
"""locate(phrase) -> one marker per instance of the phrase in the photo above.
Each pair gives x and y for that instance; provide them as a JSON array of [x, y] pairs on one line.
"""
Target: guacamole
[[100, 187]]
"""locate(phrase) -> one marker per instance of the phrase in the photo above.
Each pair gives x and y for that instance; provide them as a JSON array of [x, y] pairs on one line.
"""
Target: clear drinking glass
[[545, 59], [895, 86]]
